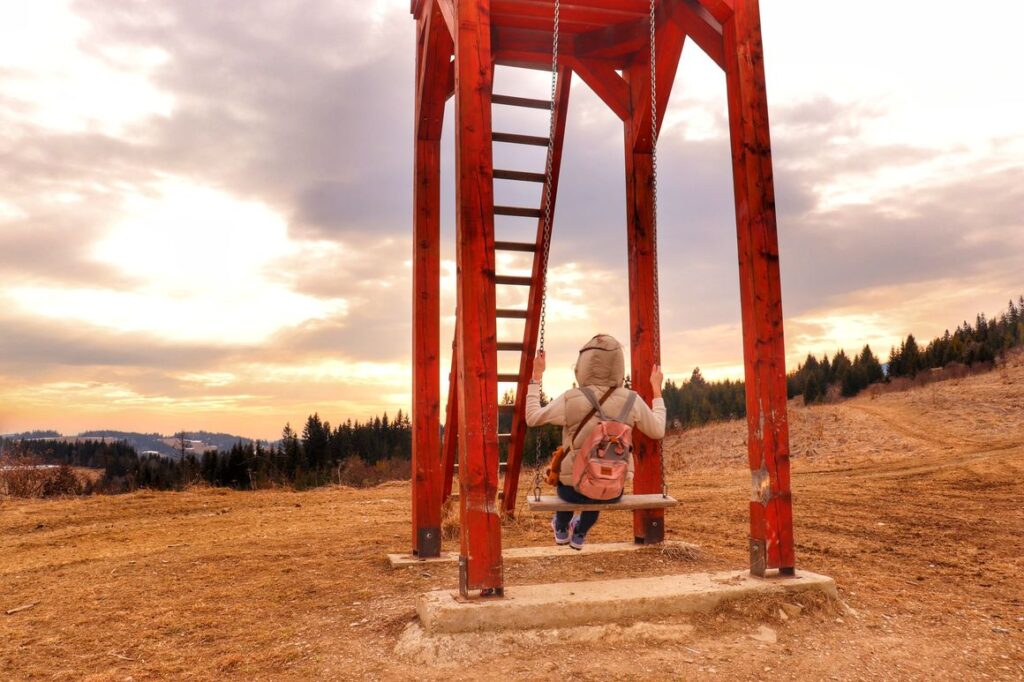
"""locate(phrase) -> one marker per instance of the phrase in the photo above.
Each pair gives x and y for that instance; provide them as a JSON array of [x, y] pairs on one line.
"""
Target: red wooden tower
[[607, 44]]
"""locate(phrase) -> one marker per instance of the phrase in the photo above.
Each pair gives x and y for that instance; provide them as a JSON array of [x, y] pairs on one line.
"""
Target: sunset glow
[[198, 234]]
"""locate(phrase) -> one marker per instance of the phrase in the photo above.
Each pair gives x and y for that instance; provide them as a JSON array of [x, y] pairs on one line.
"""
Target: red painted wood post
[[648, 524], [480, 565], [434, 47], [532, 326], [449, 447], [426, 383], [771, 514]]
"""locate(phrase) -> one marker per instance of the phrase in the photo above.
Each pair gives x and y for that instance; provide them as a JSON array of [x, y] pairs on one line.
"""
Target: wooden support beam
[[605, 82], [532, 326], [721, 10], [447, 8], [771, 514], [449, 446], [426, 282], [529, 48], [669, 41], [570, 12], [426, 423], [700, 25], [648, 525], [624, 38], [480, 565], [434, 73]]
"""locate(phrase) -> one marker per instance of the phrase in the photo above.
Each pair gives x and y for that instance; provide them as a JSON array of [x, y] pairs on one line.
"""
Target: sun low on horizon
[[205, 213]]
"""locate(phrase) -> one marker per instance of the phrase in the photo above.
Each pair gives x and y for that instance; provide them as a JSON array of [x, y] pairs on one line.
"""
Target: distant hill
[[144, 442], [30, 434]]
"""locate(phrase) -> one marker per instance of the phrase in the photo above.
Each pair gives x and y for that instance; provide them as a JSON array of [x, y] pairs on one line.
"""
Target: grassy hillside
[[910, 500]]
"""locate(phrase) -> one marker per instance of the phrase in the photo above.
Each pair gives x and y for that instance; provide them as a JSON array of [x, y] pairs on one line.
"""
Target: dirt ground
[[913, 502]]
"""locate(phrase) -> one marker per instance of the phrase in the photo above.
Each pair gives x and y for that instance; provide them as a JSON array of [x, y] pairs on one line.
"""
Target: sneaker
[[576, 539], [561, 536]]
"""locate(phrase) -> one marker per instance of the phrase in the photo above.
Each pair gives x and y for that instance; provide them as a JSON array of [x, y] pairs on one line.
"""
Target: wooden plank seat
[[550, 503]]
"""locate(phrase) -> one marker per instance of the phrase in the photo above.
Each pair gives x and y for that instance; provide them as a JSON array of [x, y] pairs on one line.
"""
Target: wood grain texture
[[480, 552], [550, 503], [434, 50], [648, 525], [771, 515], [449, 445]]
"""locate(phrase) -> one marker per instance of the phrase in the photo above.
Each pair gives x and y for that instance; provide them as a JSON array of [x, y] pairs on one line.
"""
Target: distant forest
[[356, 453], [977, 346], [365, 453]]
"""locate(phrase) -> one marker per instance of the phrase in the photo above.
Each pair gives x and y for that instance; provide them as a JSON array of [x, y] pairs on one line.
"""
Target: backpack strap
[[627, 408], [596, 408], [593, 403]]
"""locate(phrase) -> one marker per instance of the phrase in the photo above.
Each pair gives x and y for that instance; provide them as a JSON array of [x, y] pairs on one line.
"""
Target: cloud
[[31, 347], [245, 171]]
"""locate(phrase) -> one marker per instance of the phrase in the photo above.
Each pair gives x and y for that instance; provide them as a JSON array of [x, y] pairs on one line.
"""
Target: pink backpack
[[602, 462]]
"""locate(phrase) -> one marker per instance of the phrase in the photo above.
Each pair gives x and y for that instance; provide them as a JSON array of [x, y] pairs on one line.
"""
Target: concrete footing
[[545, 552], [602, 601]]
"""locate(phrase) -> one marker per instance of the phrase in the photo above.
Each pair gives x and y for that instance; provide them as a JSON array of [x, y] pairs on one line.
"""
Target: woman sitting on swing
[[600, 371]]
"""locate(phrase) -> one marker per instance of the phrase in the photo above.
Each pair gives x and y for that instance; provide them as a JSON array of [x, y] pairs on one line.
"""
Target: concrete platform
[[543, 552], [582, 603]]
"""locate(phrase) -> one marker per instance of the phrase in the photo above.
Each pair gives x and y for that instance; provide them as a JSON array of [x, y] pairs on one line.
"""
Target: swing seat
[[553, 503]]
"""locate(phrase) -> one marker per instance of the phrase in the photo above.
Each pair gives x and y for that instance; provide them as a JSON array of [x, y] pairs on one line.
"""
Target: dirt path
[[914, 509]]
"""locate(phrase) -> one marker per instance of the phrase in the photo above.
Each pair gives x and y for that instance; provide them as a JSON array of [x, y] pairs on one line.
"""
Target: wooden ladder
[[515, 414]]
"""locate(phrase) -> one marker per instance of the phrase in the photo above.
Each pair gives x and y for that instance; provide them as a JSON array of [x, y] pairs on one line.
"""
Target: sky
[[205, 208]]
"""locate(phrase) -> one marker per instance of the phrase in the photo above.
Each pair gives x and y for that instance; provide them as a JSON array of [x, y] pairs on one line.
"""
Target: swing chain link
[[549, 172], [546, 232], [654, 217], [654, 186]]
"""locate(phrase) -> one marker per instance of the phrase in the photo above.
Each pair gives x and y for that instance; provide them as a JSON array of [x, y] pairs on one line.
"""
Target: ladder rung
[[514, 138], [509, 313], [528, 247], [504, 436], [522, 176], [513, 281], [527, 102], [508, 378], [510, 345], [518, 211]]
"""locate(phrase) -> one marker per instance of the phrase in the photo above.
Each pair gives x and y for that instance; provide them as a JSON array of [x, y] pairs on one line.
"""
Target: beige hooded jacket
[[600, 366]]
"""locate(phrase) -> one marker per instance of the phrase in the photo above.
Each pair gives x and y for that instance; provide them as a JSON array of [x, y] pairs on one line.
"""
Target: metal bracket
[[463, 578], [758, 557], [428, 542], [654, 531]]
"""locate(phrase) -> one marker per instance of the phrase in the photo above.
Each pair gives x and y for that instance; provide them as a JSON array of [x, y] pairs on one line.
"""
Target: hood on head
[[601, 363]]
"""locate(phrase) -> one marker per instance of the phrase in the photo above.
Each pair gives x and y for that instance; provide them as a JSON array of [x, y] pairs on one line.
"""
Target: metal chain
[[549, 172], [654, 217], [654, 186], [546, 233]]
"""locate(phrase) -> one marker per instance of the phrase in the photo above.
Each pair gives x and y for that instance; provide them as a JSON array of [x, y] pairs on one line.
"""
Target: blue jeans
[[587, 519]]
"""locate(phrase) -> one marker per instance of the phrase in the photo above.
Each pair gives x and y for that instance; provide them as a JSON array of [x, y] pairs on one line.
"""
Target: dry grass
[[24, 476], [912, 501]]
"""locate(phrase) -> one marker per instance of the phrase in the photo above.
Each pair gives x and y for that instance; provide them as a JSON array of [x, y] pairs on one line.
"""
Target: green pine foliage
[[813, 378], [970, 345], [302, 461], [697, 401], [317, 454]]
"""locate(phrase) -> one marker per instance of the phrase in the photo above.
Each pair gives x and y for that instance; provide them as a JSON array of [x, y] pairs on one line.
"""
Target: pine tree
[[911, 356], [812, 390], [872, 367]]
